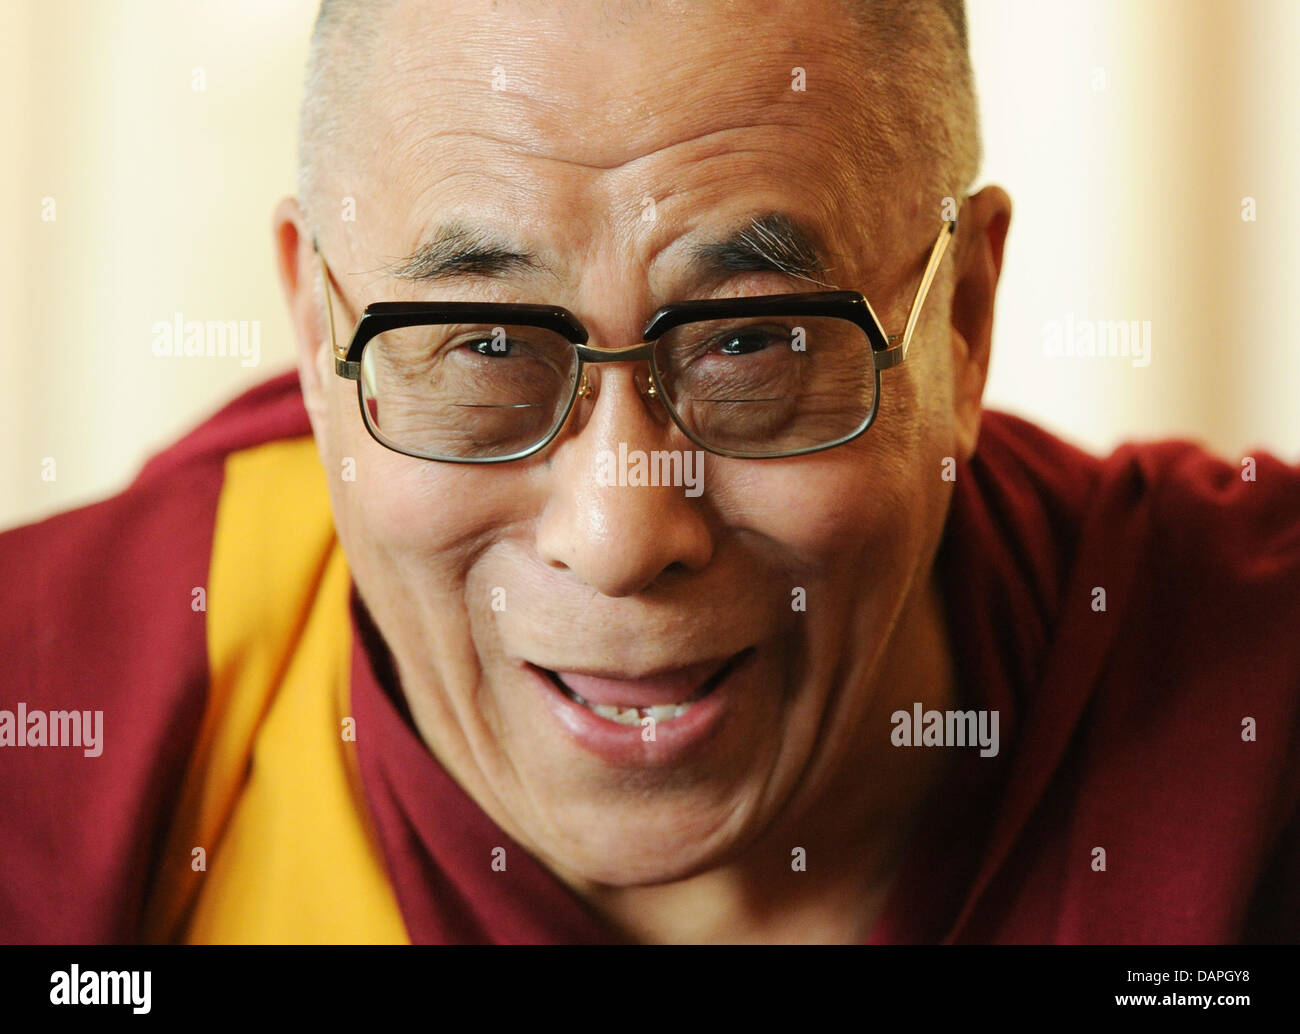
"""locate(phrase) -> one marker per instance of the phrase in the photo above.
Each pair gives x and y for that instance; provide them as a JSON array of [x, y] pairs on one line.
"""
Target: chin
[[625, 852]]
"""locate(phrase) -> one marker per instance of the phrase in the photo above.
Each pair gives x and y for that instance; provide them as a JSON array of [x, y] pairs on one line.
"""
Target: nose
[[609, 517]]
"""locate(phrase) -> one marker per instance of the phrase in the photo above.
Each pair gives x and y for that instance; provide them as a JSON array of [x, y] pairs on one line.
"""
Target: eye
[[495, 345], [745, 342]]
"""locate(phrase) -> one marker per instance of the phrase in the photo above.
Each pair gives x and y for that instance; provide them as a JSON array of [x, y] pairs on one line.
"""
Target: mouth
[[664, 697]]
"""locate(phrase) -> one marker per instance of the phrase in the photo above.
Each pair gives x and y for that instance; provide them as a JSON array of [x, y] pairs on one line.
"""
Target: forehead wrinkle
[[561, 137], [742, 149], [542, 127], [572, 114], [526, 185], [414, 134]]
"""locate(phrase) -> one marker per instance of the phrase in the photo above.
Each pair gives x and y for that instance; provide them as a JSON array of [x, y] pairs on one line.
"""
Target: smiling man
[[631, 559], [612, 178]]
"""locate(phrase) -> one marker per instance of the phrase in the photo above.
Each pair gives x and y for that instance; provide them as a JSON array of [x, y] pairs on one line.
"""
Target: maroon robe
[[1123, 729]]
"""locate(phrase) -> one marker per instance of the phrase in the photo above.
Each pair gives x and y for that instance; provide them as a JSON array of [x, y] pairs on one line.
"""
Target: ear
[[985, 218], [300, 279]]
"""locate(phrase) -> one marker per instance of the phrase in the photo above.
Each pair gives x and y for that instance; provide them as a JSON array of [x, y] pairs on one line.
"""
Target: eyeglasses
[[752, 378]]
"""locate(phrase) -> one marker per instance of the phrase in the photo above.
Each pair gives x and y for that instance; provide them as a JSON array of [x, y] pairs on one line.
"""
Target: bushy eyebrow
[[772, 242], [456, 250]]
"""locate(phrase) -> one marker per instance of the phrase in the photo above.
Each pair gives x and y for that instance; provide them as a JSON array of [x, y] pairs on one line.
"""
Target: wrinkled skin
[[694, 109]]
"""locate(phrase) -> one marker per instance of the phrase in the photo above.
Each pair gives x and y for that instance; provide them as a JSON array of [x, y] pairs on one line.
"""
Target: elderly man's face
[[548, 126]]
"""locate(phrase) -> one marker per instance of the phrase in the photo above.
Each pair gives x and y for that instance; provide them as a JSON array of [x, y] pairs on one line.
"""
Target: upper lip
[[633, 673], [663, 685]]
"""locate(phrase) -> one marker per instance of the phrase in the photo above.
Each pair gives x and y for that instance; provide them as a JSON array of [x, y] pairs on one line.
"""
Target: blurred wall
[[146, 142], [164, 133], [1133, 138]]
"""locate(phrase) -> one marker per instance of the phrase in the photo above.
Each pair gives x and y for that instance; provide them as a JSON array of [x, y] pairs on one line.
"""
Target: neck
[[853, 837]]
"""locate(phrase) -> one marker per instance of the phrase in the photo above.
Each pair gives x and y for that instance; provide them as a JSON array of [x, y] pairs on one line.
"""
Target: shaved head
[[914, 53]]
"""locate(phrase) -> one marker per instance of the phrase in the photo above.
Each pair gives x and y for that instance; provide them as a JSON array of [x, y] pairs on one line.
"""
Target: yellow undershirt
[[273, 794]]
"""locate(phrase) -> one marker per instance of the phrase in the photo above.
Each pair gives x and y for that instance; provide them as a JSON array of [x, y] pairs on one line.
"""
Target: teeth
[[622, 715], [630, 715], [634, 715]]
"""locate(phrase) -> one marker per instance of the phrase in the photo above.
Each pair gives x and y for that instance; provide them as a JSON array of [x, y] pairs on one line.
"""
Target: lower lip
[[624, 744]]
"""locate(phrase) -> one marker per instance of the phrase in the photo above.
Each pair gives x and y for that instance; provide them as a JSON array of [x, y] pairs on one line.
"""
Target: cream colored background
[[1128, 207]]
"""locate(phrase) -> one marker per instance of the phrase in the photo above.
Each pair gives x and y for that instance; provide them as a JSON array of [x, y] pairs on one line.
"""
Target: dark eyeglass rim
[[642, 351], [851, 306]]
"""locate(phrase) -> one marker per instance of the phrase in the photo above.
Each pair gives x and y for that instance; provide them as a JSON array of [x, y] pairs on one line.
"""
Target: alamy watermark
[[1098, 339], [661, 467], [102, 987], [918, 728], [35, 728], [241, 339]]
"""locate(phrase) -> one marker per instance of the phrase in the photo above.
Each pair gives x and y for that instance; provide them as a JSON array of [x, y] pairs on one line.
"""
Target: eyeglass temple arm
[[341, 365], [897, 353]]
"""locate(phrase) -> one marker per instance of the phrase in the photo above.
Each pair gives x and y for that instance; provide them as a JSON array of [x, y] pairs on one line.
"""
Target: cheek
[[828, 509], [427, 525], [414, 533], [400, 510]]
